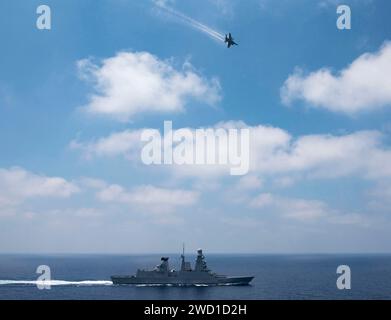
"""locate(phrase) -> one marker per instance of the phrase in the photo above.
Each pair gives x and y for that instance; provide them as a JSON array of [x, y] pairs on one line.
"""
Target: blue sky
[[323, 184]]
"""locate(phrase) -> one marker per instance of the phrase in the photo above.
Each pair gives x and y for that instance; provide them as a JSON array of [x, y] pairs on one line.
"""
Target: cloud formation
[[132, 83], [149, 197], [17, 185], [364, 85], [299, 209], [274, 152], [320, 155], [118, 143], [306, 210]]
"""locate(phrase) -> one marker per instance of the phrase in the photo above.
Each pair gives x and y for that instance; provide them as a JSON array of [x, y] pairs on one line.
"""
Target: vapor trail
[[192, 22]]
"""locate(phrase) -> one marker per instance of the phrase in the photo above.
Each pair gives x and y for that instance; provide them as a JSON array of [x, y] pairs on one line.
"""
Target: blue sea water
[[276, 277]]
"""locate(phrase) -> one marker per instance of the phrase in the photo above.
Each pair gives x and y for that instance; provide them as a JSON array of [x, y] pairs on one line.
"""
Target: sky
[[74, 100]]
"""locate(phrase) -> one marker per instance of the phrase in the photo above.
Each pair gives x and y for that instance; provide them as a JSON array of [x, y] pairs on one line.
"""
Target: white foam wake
[[57, 282]]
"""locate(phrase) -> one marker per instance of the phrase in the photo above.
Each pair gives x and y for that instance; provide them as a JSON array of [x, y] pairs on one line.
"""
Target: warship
[[162, 275]]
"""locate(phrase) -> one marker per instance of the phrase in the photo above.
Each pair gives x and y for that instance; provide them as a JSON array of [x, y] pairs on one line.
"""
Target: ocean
[[80, 277]]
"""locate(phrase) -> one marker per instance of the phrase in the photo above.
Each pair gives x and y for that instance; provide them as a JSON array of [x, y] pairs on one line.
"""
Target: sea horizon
[[276, 276]]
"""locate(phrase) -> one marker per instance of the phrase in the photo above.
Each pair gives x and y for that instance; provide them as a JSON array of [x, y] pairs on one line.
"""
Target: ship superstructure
[[186, 276]]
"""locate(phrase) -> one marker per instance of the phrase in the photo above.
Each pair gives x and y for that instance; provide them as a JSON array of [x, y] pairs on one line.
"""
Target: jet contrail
[[192, 22]]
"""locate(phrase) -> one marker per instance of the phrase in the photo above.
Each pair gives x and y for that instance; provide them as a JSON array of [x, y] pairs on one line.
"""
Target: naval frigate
[[186, 276]]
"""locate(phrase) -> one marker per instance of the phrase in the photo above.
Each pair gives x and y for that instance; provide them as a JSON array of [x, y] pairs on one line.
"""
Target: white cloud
[[305, 210], [242, 222], [249, 182], [382, 191], [325, 156], [118, 143], [299, 209], [138, 82], [262, 200], [149, 197], [17, 185], [276, 153], [20, 190], [284, 181], [364, 85], [379, 196], [92, 183]]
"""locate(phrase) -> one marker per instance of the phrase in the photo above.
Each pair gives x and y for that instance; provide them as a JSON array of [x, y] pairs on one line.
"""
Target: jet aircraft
[[230, 41]]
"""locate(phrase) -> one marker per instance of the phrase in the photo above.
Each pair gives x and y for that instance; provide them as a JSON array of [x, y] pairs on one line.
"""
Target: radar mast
[[185, 266]]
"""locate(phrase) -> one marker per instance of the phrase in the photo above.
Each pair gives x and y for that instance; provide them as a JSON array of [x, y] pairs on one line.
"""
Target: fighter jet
[[230, 41]]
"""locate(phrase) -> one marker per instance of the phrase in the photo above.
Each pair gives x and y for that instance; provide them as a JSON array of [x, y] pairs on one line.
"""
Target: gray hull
[[162, 275], [179, 281]]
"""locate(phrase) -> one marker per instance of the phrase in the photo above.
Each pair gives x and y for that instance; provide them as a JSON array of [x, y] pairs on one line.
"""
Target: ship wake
[[55, 283]]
